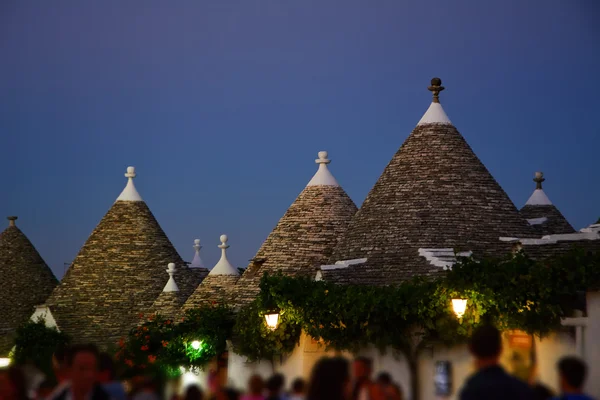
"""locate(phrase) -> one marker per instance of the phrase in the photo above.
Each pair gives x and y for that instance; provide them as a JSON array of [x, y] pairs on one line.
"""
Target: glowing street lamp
[[459, 306], [196, 344], [272, 320], [4, 362]]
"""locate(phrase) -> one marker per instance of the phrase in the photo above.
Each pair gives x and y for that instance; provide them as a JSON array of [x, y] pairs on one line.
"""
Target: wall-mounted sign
[[443, 378]]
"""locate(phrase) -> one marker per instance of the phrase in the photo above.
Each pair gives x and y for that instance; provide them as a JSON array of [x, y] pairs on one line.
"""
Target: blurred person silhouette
[[275, 386], [491, 381], [193, 392], [330, 380], [13, 385], [256, 387], [82, 361], [364, 388], [541, 392], [572, 373], [106, 377], [298, 389]]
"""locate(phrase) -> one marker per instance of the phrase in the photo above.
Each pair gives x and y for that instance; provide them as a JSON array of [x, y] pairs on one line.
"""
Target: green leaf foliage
[[35, 343]]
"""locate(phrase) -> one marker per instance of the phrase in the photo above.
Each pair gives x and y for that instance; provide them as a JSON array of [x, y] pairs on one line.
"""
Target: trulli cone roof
[[219, 285], [543, 216], [305, 236], [434, 194], [27, 282], [118, 273]]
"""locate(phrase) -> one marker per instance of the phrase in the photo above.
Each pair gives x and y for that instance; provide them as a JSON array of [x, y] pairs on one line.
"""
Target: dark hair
[[541, 392], [573, 370], [231, 394], [61, 354], [486, 342], [256, 384], [18, 381], [299, 385], [328, 378], [365, 360], [193, 392], [275, 383], [81, 348], [105, 363], [384, 378]]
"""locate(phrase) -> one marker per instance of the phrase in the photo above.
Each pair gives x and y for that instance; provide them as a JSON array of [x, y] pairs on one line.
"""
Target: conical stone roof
[[305, 236], [171, 298], [27, 282], [220, 284], [542, 215], [434, 194], [118, 273]]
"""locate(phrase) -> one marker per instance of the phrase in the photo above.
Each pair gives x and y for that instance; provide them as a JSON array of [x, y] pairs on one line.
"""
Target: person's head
[[275, 384], [486, 345], [572, 372], [541, 392], [384, 379], [330, 379], [193, 392], [83, 367], [362, 368], [13, 385], [228, 394], [60, 363], [298, 386], [256, 385], [106, 368]]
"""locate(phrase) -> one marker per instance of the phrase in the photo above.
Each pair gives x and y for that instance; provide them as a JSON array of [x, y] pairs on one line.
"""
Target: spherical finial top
[[436, 87], [224, 239], [539, 178], [11, 220], [323, 158], [130, 172], [171, 267]]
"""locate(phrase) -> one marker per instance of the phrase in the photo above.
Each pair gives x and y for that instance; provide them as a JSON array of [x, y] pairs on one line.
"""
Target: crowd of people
[[83, 373]]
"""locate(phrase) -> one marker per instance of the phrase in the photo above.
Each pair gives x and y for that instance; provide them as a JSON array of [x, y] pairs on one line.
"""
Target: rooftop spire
[[130, 193], [323, 177], [171, 286], [11, 220], [224, 267], [538, 197], [539, 178], [435, 113], [436, 87], [197, 261]]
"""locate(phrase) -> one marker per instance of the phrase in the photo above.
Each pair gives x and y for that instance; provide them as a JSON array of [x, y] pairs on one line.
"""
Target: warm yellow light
[[272, 320], [196, 344], [4, 362], [459, 306]]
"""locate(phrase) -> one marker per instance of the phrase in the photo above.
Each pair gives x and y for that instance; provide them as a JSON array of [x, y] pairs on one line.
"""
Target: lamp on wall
[[4, 362], [272, 319], [196, 344], [459, 306]]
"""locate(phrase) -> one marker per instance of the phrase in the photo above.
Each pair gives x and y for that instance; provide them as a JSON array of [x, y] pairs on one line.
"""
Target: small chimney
[[11, 220]]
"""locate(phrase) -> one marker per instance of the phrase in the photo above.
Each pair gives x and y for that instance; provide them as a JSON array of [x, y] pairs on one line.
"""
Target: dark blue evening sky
[[223, 105]]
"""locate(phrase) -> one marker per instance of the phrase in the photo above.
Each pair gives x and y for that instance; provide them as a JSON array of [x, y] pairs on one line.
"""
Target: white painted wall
[[591, 349], [307, 353]]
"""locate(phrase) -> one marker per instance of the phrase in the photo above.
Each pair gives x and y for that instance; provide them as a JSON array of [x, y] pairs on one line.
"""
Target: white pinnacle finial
[[224, 267], [171, 286], [130, 193], [322, 158], [323, 176], [197, 261]]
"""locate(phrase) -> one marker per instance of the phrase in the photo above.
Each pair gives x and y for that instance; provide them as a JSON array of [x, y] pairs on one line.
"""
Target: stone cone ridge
[[303, 239], [434, 193], [27, 283], [118, 273]]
